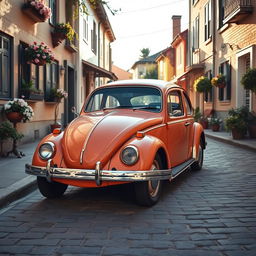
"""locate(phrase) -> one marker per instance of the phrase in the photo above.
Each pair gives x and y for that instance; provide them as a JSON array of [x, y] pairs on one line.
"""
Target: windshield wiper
[[147, 107]]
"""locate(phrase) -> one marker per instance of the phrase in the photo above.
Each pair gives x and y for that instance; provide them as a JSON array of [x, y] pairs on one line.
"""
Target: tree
[[144, 53]]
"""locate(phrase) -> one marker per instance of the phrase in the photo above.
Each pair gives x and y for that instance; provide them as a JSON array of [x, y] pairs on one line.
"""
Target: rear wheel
[[197, 165], [147, 193], [51, 189]]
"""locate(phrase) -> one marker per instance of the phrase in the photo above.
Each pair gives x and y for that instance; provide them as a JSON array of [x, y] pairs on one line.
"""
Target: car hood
[[96, 137]]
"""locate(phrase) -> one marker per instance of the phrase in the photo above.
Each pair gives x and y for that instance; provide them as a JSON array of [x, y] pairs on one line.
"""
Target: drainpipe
[[213, 25], [99, 49]]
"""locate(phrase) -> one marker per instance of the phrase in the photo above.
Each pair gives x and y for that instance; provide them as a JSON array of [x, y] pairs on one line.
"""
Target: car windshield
[[142, 98]]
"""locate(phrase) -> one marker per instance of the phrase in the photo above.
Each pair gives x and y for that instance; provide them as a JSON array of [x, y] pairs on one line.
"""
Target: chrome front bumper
[[97, 175]]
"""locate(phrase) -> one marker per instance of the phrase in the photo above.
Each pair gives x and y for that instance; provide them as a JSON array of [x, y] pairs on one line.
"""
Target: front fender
[[148, 147], [198, 136]]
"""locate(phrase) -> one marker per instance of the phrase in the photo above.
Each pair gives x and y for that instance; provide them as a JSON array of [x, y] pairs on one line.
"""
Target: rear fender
[[148, 146], [198, 136]]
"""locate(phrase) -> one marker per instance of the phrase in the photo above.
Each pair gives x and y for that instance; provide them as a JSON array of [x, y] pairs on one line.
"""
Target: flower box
[[37, 10], [33, 14]]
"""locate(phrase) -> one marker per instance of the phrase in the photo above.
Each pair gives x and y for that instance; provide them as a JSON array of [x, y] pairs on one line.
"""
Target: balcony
[[196, 64], [236, 10]]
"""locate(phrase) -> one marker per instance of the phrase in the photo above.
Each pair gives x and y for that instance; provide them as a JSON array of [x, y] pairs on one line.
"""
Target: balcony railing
[[236, 10]]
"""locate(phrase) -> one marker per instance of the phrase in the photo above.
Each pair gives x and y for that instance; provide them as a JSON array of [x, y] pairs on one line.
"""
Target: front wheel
[[50, 189], [147, 193], [197, 165]]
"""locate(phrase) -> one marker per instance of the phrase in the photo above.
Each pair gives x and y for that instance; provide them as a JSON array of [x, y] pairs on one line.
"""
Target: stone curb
[[17, 190], [231, 142]]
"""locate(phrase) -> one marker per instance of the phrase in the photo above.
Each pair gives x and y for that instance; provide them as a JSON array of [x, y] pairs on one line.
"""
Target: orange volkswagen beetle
[[137, 131]]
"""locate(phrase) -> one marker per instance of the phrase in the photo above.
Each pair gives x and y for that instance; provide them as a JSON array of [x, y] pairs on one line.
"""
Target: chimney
[[175, 25]]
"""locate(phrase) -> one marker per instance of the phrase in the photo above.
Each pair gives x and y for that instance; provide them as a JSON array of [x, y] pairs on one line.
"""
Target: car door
[[176, 127]]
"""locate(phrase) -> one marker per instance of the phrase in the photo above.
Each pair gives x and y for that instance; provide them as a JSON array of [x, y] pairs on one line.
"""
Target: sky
[[143, 24]]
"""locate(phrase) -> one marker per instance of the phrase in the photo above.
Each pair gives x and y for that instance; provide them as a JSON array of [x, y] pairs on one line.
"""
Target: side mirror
[[73, 110]]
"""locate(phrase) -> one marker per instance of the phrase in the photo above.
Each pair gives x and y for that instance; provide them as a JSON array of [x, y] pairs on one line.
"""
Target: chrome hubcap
[[153, 186]]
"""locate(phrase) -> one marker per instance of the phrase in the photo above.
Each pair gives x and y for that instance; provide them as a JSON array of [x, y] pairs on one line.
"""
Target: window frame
[[85, 29], [49, 83], [224, 94], [53, 4], [170, 115], [207, 21], [9, 77], [195, 34]]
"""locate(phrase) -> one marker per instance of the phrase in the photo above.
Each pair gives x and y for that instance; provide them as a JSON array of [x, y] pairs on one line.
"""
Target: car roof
[[144, 82]]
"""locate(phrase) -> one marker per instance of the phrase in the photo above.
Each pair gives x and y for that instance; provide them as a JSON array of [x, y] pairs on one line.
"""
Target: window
[[208, 96], [179, 55], [174, 102], [28, 72], [195, 34], [94, 38], [51, 74], [221, 12], [207, 21], [225, 93], [85, 29], [194, 2], [5, 66], [53, 6]]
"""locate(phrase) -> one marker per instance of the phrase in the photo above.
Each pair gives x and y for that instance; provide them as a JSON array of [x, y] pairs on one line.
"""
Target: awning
[[98, 71]]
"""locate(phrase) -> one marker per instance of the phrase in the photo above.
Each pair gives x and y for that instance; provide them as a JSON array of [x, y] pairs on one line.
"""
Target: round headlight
[[46, 150], [130, 155]]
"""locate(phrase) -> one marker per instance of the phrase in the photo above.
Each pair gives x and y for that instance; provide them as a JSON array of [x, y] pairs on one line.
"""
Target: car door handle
[[187, 123]]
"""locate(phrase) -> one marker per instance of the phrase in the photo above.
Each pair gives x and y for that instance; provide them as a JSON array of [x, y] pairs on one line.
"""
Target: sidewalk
[[15, 183], [226, 137]]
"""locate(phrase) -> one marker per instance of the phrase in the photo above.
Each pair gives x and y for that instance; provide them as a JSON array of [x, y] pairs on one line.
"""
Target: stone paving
[[210, 212]]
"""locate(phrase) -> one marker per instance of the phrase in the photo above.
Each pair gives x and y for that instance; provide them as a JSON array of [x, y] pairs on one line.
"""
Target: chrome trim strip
[[97, 174], [88, 137], [152, 128], [180, 120]]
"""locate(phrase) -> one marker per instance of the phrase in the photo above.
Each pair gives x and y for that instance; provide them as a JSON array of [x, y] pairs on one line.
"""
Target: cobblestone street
[[210, 212]]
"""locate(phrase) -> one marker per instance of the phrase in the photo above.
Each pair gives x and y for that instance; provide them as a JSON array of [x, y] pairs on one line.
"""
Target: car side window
[[174, 101], [188, 105]]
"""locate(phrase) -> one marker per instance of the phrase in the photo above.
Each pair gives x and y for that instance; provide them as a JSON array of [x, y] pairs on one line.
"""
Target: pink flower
[[38, 55], [35, 47], [36, 60], [35, 43], [42, 43], [44, 57]]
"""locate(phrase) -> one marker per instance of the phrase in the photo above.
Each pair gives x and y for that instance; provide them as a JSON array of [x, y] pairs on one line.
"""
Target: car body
[[136, 131]]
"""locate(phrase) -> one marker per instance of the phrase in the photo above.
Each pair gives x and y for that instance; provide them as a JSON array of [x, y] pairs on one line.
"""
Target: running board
[[177, 170]]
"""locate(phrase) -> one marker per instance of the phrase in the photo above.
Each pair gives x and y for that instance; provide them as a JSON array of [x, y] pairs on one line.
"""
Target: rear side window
[[175, 107]]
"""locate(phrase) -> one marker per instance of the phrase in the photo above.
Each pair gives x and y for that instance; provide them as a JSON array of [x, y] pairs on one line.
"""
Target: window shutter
[[228, 68]]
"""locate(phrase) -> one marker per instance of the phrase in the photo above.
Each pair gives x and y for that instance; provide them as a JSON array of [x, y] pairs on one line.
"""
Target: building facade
[[222, 40], [79, 65], [94, 61]]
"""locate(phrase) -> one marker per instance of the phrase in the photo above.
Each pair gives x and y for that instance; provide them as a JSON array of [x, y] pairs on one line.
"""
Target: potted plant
[[236, 122], [62, 31], [29, 92], [248, 80], [215, 124], [8, 131], [197, 114], [57, 95], [219, 81], [18, 110], [202, 84], [37, 10], [39, 54]]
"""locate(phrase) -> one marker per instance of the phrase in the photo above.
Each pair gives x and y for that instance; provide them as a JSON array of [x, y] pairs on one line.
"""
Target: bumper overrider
[[98, 175]]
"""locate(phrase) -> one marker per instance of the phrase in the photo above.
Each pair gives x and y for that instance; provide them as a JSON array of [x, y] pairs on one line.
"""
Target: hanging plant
[[202, 84], [219, 81], [249, 80], [39, 54]]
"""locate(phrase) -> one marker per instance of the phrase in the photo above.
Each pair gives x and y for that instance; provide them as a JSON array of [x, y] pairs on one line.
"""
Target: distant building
[[143, 66], [120, 73]]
